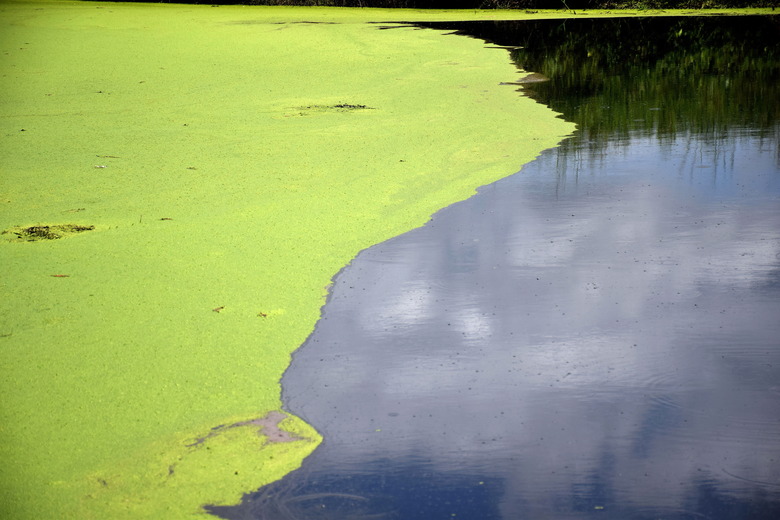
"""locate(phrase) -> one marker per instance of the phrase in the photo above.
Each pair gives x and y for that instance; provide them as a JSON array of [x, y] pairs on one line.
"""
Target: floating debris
[[267, 426], [53, 232], [339, 107]]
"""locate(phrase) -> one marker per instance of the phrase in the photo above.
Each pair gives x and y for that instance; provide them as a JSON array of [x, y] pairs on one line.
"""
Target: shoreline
[[222, 203], [231, 166]]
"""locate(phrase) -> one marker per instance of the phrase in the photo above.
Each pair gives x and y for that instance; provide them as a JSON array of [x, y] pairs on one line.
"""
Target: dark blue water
[[597, 336]]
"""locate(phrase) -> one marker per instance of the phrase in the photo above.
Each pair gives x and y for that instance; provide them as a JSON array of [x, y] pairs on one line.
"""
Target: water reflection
[[662, 76], [596, 336]]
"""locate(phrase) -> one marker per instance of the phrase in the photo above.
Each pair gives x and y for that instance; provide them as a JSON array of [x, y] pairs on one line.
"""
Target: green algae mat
[[178, 186]]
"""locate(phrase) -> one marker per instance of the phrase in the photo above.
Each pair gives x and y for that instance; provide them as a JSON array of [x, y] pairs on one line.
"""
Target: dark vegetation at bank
[[617, 76], [503, 4]]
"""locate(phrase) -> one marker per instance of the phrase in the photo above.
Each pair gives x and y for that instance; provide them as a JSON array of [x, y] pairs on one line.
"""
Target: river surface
[[596, 336]]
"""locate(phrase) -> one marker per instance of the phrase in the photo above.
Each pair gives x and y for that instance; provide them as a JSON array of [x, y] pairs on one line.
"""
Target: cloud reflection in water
[[607, 339], [597, 335]]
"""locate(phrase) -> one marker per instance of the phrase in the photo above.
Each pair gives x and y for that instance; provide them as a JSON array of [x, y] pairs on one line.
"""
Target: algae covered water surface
[[179, 185]]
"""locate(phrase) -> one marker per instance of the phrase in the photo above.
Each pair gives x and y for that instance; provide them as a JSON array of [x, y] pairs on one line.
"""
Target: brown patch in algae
[[53, 232], [268, 426]]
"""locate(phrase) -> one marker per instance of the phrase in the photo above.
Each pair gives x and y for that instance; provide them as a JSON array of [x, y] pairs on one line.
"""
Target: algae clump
[[44, 232], [141, 361]]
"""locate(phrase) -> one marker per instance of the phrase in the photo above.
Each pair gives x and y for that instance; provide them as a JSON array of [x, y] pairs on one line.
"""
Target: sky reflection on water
[[594, 336], [597, 336], [612, 327]]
